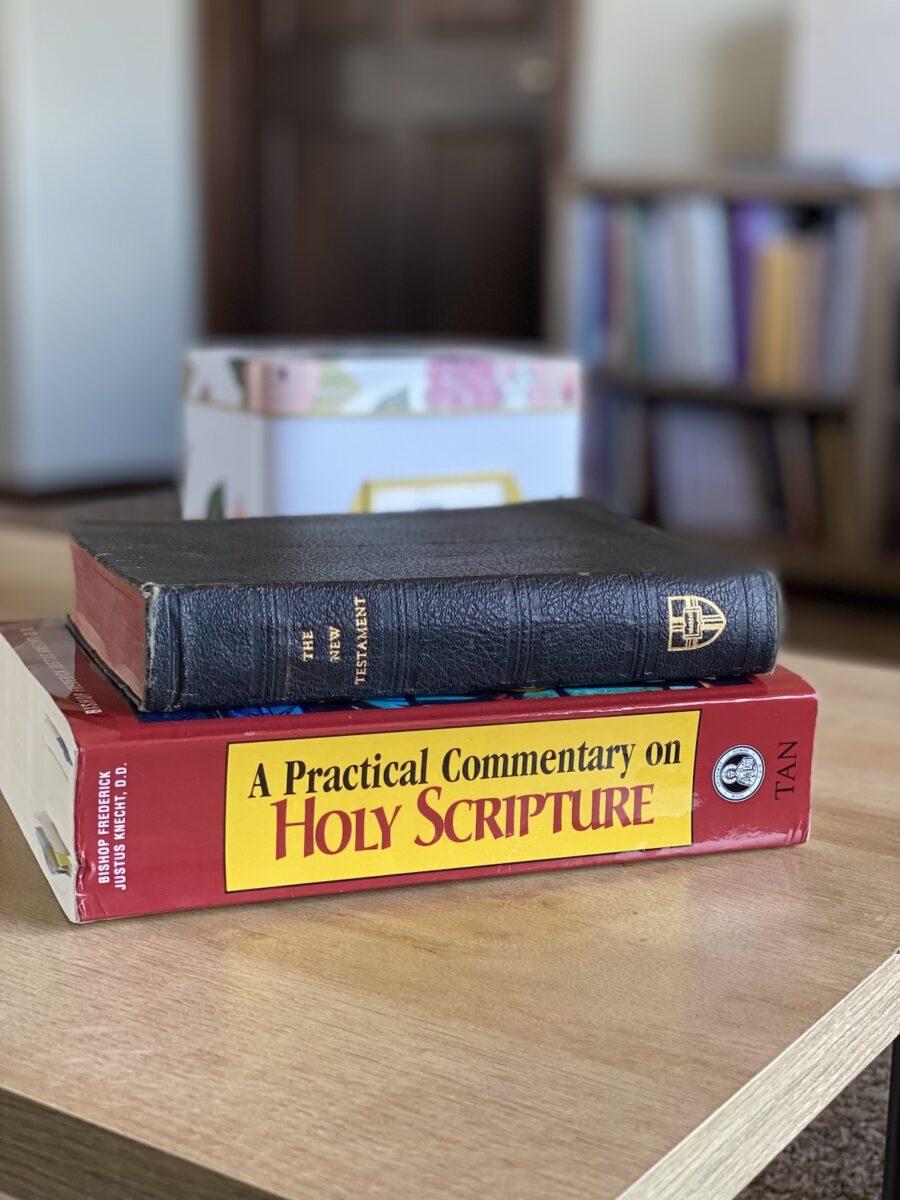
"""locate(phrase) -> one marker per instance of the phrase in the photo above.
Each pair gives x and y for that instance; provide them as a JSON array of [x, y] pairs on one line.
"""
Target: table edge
[[726, 1151]]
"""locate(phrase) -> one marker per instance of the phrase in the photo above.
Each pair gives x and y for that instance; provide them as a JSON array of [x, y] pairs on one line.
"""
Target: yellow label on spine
[[311, 810]]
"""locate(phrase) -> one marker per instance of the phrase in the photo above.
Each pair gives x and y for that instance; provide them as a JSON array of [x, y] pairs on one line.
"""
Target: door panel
[[325, 227], [480, 221], [449, 15], [378, 166]]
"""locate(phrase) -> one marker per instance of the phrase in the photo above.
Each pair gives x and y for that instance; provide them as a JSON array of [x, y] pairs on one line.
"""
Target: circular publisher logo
[[738, 773]]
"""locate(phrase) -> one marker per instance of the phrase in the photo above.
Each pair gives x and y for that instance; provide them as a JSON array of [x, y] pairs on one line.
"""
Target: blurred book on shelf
[[694, 287], [795, 459], [710, 472]]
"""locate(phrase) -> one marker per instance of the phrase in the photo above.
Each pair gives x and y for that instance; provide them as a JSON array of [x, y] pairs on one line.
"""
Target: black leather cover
[[562, 592]]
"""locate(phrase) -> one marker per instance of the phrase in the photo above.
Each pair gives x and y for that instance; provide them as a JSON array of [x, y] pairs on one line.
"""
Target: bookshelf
[[747, 396], [861, 411]]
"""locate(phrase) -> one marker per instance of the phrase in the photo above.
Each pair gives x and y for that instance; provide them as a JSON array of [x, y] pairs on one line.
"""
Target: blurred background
[[700, 198]]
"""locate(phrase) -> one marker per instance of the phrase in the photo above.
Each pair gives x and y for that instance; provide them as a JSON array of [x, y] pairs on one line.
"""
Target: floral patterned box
[[304, 429]]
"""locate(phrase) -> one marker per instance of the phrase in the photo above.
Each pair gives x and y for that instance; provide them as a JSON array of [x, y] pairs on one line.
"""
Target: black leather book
[[199, 614]]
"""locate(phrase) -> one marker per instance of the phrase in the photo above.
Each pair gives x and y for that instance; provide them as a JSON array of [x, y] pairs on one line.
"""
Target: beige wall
[[669, 83], [843, 94]]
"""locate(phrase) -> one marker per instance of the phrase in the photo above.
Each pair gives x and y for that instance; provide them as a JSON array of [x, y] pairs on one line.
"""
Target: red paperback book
[[131, 813]]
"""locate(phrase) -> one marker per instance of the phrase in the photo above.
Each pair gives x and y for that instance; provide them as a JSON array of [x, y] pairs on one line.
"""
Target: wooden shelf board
[[822, 565], [744, 395], [733, 184]]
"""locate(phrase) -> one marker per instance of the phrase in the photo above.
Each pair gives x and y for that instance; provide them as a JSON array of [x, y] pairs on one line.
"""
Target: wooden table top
[[655, 1030]]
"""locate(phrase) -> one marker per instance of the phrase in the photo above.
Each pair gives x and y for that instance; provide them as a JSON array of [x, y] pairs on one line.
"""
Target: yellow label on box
[[311, 810]]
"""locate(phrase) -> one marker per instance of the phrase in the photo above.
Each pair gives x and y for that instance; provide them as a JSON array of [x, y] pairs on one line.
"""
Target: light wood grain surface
[[35, 573], [654, 1030]]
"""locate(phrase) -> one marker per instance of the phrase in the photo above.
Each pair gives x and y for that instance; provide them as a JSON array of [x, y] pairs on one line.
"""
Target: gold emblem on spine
[[694, 622]]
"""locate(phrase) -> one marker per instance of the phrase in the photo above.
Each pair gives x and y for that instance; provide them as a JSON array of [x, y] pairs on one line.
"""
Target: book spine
[[224, 647], [587, 303], [261, 808], [741, 282]]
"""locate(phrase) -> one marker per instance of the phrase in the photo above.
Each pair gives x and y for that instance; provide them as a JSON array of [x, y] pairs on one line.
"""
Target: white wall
[[98, 245], [677, 83], [843, 95]]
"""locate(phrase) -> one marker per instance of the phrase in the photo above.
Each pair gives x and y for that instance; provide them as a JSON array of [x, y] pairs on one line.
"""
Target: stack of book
[[276, 708], [697, 289]]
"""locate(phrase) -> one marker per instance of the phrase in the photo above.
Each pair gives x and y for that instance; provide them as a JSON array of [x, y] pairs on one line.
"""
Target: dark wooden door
[[378, 166]]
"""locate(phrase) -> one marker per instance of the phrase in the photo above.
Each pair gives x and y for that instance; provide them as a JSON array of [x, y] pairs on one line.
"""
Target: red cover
[[207, 809]]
